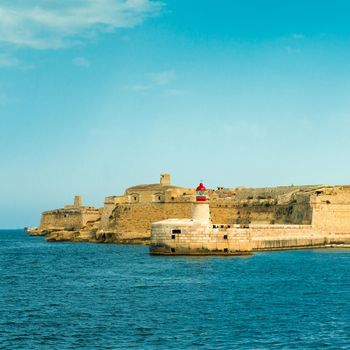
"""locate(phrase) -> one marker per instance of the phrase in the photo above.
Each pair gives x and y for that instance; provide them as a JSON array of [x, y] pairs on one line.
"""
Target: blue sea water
[[94, 296]]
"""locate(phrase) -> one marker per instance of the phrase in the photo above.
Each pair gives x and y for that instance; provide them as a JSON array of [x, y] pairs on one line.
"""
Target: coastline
[[262, 245]]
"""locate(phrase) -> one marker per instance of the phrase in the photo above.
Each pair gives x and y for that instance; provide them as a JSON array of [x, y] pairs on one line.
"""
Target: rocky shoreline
[[268, 242], [90, 236]]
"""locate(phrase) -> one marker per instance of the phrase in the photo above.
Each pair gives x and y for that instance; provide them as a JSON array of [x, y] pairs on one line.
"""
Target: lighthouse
[[200, 208], [197, 235]]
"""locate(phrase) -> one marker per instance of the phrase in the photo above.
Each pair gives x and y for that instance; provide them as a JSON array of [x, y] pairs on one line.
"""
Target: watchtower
[[165, 179], [78, 201]]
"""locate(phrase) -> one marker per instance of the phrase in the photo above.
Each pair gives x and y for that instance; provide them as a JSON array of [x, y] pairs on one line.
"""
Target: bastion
[[72, 222]]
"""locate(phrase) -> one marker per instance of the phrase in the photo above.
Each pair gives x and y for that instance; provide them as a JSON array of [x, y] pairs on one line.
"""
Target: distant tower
[[200, 208], [165, 179], [78, 201]]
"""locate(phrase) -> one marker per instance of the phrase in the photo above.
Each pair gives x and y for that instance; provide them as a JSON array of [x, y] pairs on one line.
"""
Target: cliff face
[[128, 218]]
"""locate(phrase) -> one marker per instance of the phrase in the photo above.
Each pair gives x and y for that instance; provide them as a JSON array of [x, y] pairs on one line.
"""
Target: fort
[[284, 217]]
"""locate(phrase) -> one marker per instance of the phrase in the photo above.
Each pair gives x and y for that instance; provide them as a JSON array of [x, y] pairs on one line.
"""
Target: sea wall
[[279, 237], [275, 237], [172, 237], [193, 237]]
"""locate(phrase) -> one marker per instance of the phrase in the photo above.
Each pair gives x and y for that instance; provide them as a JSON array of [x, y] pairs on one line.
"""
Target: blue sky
[[96, 96]]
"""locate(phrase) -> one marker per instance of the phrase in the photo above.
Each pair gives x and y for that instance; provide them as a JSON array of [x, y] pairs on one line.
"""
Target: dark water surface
[[80, 295]]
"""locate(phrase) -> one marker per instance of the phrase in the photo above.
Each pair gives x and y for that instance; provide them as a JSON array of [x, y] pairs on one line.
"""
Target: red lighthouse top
[[201, 195], [201, 187]]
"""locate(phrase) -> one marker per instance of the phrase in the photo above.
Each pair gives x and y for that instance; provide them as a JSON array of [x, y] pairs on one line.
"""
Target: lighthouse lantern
[[201, 193]]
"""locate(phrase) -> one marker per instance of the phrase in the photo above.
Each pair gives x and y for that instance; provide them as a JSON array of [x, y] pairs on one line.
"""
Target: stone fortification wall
[[277, 237], [331, 209], [71, 217], [61, 219], [243, 193], [106, 216], [261, 212], [296, 211], [196, 237], [283, 205], [68, 218], [133, 221], [123, 220], [236, 213]]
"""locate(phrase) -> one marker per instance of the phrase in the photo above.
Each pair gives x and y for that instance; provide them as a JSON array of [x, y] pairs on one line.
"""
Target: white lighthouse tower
[[200, 208]]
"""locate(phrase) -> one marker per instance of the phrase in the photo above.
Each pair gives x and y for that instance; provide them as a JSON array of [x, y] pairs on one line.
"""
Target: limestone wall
[[331, 209], [229, 213], [68, 219], [271, 237], [89, 216], [276, 237], [243, 193], [133, 221], [61, 219], [196, 238], [106, 218], [293, 214]]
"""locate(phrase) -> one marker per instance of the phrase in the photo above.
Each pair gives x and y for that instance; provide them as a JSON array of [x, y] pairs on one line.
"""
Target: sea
[[107, 296]]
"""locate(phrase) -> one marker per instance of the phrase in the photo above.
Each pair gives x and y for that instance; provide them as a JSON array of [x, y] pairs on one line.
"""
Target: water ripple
[[89, 296]]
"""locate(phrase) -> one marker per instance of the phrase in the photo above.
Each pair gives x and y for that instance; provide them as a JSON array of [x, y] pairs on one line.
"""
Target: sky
[[100, 95]]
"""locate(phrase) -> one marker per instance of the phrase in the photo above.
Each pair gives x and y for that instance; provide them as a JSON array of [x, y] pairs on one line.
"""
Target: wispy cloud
[[162, 78], [154, 80], [4, 99], [176, 92], [81, 62], [140, 87], [43, 24], [298, 36], [292, 50], [8, 61]]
